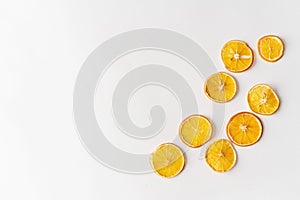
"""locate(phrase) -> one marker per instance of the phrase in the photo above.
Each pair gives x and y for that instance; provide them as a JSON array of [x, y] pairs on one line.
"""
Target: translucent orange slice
[[195, 131], [244, 129], [237, 56], [167, 160], [220, 87], [221, 156], [263, 100], [270, 48]]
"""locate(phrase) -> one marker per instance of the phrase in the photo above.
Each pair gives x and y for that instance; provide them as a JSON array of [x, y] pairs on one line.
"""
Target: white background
[[44, 43]]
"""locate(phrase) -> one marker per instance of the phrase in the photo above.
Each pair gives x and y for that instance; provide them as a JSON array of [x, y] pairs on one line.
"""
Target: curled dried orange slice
[[195, 131], [167, 160], [270, 48], [220, 156], [263, 100], [237, 56], [220, 87], [244, 129]]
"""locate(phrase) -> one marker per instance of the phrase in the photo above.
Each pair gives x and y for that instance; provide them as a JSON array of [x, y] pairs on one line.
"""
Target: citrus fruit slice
[[244, 129], [220, 87], [167, 160], [237, 56], [220, 156], [270, 48], [263, 100], [195, 131]]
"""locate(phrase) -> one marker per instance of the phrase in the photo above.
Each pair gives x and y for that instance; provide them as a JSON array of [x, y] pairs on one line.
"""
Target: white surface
[[42, 47]]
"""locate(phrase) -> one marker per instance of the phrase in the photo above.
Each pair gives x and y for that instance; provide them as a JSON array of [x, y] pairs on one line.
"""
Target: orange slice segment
[[167, 160], [270, 48], [237, 56], [195, 131], [244, 129], [221, 156], [220, 87], [263, 100]]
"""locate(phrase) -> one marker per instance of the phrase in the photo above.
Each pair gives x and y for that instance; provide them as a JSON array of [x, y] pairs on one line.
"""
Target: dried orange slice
[[167, 160], [195, 131], [237, 56], [270, 48], [263, 100], [244, 129], [221, 156], [220, 87]]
